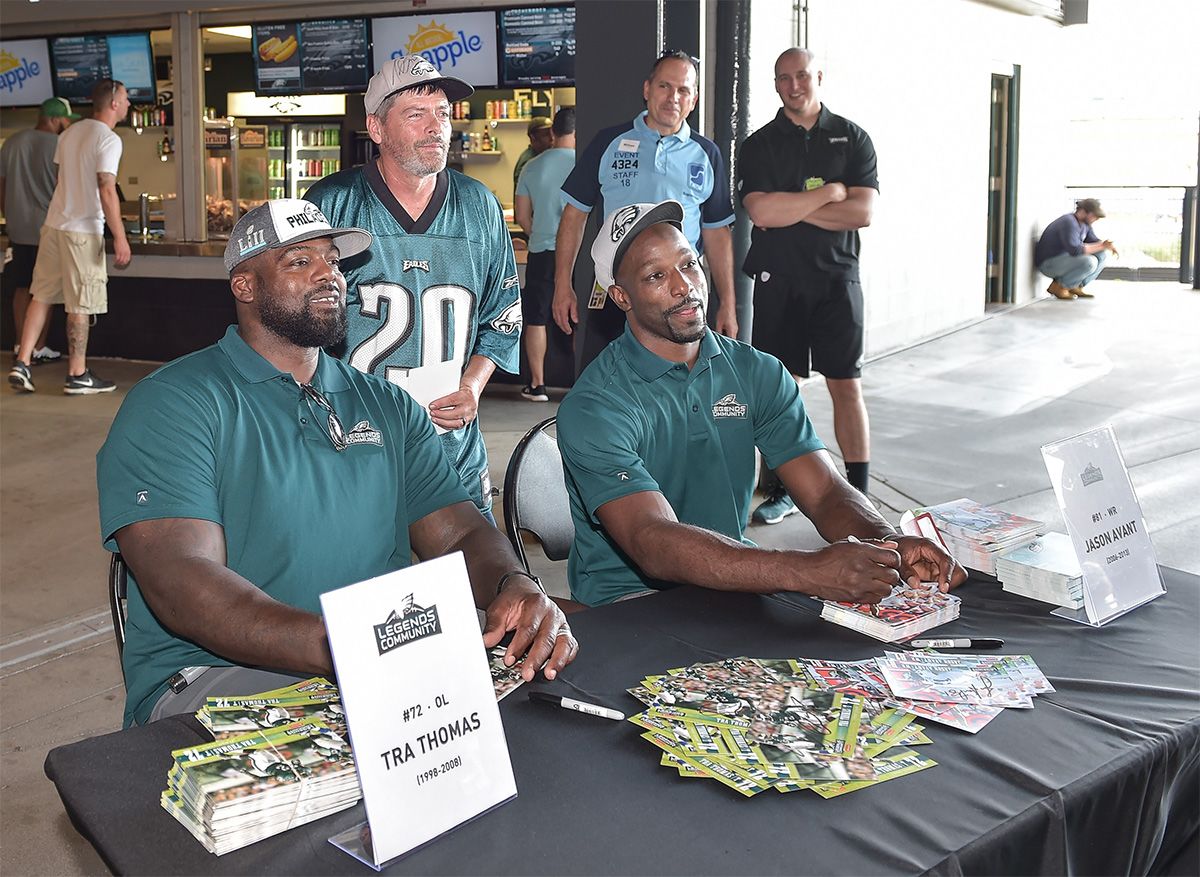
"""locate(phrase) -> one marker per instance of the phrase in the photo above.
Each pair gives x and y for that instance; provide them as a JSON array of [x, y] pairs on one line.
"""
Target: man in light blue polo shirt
[[537, 207], [658, 438], [242, 481], [656, 157]]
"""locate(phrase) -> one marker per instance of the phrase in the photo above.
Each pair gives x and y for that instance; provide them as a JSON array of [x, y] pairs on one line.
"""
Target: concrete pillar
[[187, 57]]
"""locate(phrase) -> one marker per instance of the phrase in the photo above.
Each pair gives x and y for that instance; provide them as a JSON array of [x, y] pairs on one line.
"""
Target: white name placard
[[419, 702], [1104, 520]]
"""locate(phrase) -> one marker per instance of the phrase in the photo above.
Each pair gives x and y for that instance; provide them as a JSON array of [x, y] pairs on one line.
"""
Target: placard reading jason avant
[[419, 702], [1104, 520]]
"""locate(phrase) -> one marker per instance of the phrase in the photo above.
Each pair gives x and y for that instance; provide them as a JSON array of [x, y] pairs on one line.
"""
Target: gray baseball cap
[[397, 74], [287, 221], [619, 230]]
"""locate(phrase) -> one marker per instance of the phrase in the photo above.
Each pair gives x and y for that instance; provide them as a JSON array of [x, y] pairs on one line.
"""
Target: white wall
[[917, 77]]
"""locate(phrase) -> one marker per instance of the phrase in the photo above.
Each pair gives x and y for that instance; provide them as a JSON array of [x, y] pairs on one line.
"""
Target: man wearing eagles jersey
[[439, 286]]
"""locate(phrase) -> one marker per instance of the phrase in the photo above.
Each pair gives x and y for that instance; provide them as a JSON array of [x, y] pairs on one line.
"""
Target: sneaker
[[777, 506], [1080, 292], [85, 384], [535, 394], [44, 355], [20, 378]]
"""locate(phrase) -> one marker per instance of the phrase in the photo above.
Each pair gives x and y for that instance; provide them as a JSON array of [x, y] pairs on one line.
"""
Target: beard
[[305, 327], [691, 333], [418, 163]]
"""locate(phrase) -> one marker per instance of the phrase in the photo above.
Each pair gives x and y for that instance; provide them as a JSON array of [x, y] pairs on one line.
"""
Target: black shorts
[[538, 294], [18, 274], [795, 318]]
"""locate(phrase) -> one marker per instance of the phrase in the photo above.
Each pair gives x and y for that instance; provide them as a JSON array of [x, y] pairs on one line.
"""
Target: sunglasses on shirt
[[334, 430]]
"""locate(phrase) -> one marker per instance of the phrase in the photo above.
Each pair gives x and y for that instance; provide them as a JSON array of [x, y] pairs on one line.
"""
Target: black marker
[[579, 706], [980, 643]]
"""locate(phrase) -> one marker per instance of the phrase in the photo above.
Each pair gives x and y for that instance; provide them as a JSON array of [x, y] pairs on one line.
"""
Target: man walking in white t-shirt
[[70, 266]]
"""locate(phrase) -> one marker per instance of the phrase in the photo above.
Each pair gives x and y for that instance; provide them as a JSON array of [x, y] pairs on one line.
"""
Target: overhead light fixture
[[241, 31]]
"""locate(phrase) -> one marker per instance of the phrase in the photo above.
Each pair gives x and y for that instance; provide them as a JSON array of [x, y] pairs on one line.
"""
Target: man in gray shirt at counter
[[27, 178]]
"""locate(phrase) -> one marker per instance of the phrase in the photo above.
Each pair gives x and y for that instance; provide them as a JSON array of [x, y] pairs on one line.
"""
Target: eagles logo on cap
[[623, 220], [414, 65]]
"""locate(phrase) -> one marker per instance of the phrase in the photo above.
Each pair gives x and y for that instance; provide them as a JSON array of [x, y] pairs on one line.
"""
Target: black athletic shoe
[[20, 378], [535, 394], [86, 384]]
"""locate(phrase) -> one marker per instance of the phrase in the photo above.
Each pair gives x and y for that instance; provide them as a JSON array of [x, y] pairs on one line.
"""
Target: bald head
[[797, 53], [798, 83]]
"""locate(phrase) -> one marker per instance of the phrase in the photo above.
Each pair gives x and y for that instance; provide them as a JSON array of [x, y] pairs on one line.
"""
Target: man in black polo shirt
[[808, 182]]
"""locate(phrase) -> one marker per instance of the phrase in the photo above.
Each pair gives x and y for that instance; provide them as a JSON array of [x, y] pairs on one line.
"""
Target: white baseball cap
[[286, 221], [397, 74], [619, 230]]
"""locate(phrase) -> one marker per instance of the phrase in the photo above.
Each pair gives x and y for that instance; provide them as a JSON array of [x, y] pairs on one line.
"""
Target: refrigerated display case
[[300, 153], [235, 172]]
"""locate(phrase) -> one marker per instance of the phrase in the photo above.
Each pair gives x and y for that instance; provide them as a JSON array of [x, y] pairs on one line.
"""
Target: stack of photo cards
[[754, 725], [244, 788], [904, 613], [1045, 569], [315, 699], [975, 534], [280, 759]]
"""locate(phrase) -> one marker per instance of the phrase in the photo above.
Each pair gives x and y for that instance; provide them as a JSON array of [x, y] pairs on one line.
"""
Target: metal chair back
[[535, 495]]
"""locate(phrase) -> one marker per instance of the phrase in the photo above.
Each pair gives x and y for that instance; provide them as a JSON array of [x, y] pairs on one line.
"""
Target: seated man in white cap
[[242, 481], [658, 438], [437, 295]]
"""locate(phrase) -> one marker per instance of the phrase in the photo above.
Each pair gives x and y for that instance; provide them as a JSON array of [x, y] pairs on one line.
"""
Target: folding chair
[[535, 499]]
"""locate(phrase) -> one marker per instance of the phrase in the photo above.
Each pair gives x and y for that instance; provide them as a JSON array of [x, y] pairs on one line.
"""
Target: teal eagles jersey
[[442, 287]]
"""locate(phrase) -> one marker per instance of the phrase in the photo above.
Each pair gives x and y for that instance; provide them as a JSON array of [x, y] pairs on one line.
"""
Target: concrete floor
[[963, 415]]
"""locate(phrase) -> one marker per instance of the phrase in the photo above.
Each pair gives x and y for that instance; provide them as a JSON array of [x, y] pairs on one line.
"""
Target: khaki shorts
[[71, 271]]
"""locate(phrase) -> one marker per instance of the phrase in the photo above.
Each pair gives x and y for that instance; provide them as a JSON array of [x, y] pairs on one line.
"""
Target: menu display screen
[[131, 60], [538, 46], [80, 62], [312, 57]]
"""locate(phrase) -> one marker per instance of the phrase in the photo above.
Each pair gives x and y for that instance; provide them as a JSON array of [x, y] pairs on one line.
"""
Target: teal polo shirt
[[222, 435], [634, 422]]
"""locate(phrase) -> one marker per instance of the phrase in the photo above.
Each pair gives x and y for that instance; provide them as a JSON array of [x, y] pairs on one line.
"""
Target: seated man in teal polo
[[658, 438], [242, 481]]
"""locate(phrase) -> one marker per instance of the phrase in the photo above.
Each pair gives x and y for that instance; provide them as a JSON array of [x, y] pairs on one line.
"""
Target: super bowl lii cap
[[397, 74], [619, 230], [288, 221]]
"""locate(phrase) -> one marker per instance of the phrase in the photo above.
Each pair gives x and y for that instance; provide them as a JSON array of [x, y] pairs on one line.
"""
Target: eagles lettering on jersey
[[443, 294]]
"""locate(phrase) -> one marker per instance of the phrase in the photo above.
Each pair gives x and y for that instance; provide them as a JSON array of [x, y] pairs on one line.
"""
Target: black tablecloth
[[1101, 777]]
